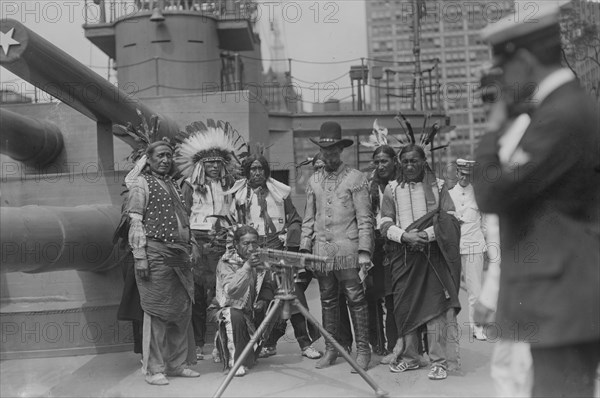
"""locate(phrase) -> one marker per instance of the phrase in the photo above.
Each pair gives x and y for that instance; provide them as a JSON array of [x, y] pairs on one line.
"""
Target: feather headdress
[[145, 134], [428, 133], [379, 137], [209, 142]]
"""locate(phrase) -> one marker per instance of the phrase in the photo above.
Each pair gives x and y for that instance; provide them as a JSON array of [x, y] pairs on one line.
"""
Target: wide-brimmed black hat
[[331, 134]]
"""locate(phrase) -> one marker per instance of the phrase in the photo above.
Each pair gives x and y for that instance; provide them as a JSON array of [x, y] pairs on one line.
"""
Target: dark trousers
[[137, 336], [300, 332], [375, 291], [234, 335], [204, 283], [344, 328], [376, 330], [199, 314], [344, 335], [391, 331], [568, 371], [348, 281]]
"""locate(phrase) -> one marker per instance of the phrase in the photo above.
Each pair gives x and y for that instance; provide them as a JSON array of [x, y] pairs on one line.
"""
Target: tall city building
[[451, 56], [581, 42]]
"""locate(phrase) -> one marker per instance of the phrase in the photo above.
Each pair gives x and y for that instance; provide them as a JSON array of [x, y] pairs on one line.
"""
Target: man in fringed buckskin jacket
[[338, 224]]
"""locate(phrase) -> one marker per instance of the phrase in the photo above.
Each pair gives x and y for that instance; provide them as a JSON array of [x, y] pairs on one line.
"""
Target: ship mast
[[418, 95]]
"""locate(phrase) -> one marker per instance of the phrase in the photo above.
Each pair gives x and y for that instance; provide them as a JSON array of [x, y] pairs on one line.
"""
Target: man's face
[[257, 175], [464, 178], [384, 166], [517, 80], [331, 157], [247, 245], [212, 169], [412, 166], [160, 160]]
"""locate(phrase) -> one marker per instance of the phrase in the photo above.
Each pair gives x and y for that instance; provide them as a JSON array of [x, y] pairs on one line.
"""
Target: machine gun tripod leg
[[378, 391], [290, 299]]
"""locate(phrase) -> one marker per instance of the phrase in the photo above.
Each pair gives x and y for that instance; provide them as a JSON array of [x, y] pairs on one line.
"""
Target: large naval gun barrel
[[29, 140], [49, 68], [45, 238]]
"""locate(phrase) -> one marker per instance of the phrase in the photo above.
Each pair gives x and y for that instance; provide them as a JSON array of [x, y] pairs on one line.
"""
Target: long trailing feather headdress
[[209, 142], [428, 133]]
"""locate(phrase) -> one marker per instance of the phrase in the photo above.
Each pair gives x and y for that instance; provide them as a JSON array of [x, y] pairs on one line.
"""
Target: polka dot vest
[[160, 219]]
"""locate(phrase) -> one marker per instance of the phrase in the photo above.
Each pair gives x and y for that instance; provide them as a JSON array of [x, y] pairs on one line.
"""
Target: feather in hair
[[145, 133], [377, 138], [411, 134]]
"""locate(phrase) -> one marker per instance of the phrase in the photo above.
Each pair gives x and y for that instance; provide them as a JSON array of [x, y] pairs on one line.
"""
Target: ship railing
[[108, 11]]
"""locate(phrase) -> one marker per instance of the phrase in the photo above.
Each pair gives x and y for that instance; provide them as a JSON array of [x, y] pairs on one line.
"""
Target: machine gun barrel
[[291, 259]]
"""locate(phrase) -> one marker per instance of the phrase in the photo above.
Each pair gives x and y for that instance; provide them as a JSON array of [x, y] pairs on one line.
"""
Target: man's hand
[[254, 261], [364, 259], [260, 306], [415, 239], [282, 238], [141, 269], [483, 315]]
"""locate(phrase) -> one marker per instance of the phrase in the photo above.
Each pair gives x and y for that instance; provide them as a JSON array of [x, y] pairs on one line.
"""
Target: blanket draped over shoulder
[[426, 283]]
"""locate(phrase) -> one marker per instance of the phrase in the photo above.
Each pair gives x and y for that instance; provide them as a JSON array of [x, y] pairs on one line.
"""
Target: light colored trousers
[[472, 269], [165, 344], [512, 369]]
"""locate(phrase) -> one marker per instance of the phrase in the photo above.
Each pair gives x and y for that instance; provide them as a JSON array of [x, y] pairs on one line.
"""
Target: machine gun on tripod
[[285, 263]]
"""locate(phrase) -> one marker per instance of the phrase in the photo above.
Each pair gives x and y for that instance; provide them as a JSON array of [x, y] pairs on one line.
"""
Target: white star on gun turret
[[6, 40]]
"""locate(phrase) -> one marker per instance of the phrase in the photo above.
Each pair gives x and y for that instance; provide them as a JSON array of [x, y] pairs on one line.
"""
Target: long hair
[[376, 181], [386, 149], [248, 163]]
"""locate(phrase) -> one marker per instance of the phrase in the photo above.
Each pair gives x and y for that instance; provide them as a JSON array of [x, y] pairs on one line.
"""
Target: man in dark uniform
[[541, 178]]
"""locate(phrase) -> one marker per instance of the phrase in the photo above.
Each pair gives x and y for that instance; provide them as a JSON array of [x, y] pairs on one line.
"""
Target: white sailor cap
[[465, 166], [540, 30]]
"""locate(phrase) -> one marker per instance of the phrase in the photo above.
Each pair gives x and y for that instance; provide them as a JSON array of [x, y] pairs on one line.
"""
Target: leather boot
[[360, 321], [331, 319], [327, 359], [363, 361]]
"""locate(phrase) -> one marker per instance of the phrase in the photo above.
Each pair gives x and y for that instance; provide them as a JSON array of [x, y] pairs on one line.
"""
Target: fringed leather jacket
[[338, 221]]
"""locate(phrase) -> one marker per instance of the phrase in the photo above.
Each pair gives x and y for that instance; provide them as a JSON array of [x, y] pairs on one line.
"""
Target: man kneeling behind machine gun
[[243, 290], [242, 286]]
